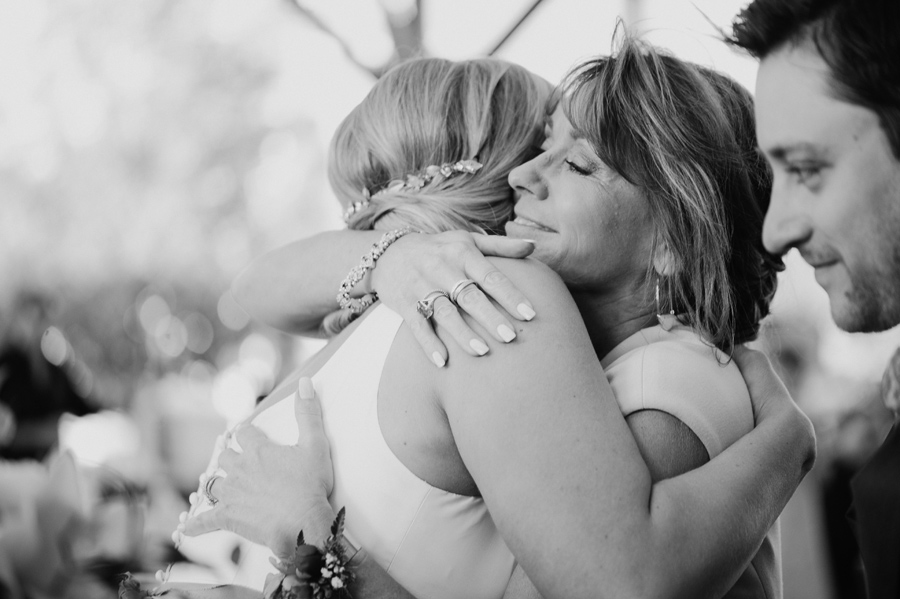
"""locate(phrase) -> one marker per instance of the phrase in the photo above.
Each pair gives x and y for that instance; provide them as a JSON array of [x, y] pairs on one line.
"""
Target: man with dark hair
[[828, 121]]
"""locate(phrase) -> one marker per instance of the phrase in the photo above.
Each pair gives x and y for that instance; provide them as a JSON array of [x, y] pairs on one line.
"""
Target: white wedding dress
[[435, 543]]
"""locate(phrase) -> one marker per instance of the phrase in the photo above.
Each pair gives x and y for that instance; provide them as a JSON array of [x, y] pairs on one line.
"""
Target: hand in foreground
[[271, 491], [419, 264], [770, 400]]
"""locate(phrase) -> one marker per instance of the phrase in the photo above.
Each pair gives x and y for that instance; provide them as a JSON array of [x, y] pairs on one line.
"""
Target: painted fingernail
[[305, 388], [526, 311], [438, 359], [506, 333], [479, 346]]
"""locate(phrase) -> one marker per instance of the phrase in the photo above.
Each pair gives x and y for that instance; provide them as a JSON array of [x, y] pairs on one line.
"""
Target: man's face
[[836, 194]]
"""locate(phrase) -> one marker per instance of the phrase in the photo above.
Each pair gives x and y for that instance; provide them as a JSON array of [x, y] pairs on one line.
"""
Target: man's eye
[[804, 174]]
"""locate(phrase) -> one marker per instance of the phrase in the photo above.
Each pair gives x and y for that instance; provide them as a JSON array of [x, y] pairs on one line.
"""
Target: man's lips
[[818, 261], [527, 222]]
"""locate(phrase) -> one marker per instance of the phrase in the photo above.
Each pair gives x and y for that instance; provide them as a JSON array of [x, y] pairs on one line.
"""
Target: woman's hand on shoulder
[[771, 401], [416, 265]]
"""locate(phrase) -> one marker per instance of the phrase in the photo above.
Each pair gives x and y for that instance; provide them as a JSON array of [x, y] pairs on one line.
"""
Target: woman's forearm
[[709, 522], [293, 287]]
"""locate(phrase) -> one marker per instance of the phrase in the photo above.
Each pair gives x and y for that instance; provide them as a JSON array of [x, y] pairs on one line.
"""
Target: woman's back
[[413, 505]]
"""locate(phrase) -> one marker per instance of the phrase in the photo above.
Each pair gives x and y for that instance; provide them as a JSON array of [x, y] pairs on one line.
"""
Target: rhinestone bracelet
[[358, 306]]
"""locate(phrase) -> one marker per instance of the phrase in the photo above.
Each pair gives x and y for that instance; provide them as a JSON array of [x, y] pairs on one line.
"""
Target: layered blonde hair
[[685, 135], [432, 111]]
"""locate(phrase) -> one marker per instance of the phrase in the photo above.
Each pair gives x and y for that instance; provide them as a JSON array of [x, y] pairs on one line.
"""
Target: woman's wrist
[[316, 570], [374, 279], [346, 298], [315, 524]]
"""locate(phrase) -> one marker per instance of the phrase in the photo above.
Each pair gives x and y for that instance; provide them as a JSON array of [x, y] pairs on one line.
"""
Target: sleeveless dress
[[437, 544], [675, 372]]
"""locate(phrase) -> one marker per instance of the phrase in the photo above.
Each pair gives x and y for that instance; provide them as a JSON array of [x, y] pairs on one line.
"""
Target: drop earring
[[666, 321]]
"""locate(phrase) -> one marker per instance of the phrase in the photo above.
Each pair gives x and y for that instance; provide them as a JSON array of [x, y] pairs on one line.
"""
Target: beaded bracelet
[[367, 263]]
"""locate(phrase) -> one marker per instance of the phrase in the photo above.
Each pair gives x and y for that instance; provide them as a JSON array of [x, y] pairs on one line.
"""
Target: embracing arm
[[542, 435], [293, 287]]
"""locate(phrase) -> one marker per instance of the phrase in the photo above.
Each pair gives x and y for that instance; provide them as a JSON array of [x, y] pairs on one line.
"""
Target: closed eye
[[577, 169]]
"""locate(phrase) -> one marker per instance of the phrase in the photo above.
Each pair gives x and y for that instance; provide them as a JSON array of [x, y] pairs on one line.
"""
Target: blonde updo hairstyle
[[432, 111]]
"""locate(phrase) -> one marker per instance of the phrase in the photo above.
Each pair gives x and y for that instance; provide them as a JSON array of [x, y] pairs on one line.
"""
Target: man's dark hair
[[858, 39]]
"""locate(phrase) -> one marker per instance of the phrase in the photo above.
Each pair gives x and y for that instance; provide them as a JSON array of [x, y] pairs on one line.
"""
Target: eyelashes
[[577, 169]]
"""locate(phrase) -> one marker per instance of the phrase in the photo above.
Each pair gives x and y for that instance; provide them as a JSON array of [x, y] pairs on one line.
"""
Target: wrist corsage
[[313, 573]]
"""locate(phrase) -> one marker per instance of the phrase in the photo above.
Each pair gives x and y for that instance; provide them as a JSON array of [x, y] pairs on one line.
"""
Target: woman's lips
[[526, 222]]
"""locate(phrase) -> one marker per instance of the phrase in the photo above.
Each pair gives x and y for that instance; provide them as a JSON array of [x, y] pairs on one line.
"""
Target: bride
[[452, 476]]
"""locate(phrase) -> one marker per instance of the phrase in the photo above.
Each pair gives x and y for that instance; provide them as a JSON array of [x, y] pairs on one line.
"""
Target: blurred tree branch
[[405, 28]]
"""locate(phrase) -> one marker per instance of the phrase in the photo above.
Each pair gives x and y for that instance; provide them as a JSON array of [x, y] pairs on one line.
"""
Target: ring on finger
[[458, 288], [207, 490], [425, 306]]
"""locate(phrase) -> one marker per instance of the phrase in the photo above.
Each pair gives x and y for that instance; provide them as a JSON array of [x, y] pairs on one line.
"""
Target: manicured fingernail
[[479, 346], [506, 333], [525, 311], [438, 359], [305, 388]]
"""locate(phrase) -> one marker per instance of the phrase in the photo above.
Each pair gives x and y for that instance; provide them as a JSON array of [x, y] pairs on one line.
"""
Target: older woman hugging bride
[[537, 463]]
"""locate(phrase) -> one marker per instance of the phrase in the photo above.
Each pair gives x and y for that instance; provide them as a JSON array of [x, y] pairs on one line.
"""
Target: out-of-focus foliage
[[159, 143]]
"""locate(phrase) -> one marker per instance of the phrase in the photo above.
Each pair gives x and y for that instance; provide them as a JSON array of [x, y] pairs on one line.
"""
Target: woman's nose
[[526, 178]]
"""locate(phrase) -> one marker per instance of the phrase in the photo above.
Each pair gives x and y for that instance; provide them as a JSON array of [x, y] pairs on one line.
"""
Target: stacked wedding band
[[458, 289], [207, 489]]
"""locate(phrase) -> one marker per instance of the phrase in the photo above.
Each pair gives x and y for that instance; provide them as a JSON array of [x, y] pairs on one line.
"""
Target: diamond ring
[[425, 306]]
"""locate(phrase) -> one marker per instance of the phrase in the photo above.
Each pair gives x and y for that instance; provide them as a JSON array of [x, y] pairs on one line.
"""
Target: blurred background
[[149, 150]]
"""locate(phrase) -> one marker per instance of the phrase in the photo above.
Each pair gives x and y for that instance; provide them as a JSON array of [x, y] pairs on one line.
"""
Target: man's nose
[[786, 224]]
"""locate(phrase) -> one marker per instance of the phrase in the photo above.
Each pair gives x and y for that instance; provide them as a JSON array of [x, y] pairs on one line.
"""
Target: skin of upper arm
[[541, 434], [669, 447]]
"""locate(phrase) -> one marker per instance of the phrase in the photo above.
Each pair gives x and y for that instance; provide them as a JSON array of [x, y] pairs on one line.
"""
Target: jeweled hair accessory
[[414, 182]]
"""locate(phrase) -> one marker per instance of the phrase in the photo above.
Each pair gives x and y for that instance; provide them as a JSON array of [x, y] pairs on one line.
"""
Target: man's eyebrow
[[782, 151]]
